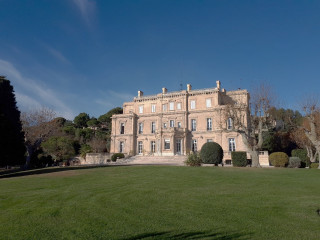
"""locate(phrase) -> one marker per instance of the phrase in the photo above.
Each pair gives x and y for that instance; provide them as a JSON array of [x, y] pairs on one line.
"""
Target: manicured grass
[[161, 202]]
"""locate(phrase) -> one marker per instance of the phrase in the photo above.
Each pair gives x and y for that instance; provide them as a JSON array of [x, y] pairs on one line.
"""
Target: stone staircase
[[157, 160]]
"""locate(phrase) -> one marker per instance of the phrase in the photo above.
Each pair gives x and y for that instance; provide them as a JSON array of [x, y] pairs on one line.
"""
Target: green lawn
[[161, 202]]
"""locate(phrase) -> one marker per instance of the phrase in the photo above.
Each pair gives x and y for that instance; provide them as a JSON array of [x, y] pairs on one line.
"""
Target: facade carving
[[175, 123]]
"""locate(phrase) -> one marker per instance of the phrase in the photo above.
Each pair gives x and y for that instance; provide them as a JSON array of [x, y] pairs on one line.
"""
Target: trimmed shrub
[[211, 153], [302, 154], [193, 160], [239, 159], [314, 165], [279, 159], [294, 162], [117, 155]]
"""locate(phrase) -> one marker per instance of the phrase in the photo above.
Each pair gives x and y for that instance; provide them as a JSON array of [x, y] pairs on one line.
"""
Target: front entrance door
[[178, 146]]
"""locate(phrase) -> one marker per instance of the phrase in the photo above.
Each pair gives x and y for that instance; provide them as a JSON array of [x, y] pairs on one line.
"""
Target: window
[[171, 106], [167, 144], [208, 102], [153, 127], [179, 106], [193, 104], [171, 123], [164, 107], [194, 145], [209, 124], [193, 125], [153, 146], [153, 108], [229, 123], [121, 128], [121, 147], [232, 144], [140, 128], [164, 125], [141, 109], [179, 124], [209, 140], [140, 147]]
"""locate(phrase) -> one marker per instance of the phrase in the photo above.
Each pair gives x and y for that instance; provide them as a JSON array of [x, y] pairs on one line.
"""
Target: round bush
[[117, 155], [279, 159], [193, 160], [239, 159], [302, 154], [294, 162], [211, 153]]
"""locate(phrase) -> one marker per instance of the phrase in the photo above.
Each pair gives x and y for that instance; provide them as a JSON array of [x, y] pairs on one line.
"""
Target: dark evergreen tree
[[12, 148]]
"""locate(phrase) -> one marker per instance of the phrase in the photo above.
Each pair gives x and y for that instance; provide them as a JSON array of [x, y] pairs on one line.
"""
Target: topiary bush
[[211, 153], [279, 159], [239, 159], [116, 155], [314, 165], [193, 160], [302, 154], [294, 162]]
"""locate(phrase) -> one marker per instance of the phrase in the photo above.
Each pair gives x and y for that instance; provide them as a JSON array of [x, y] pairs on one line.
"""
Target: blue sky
[[90, 56]]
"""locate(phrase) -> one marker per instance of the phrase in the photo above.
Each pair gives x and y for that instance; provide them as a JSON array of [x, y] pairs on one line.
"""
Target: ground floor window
[[167, 144], [194, 145], [209, 140], [153, 146], [232, 144], [121, 147], [140, 147]]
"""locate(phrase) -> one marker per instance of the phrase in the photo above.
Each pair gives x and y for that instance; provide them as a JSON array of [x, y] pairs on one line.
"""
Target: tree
[[81, 120], [105, 119], [251, 121], [93, 122], [12, 147], [312, 126], [60, 148]]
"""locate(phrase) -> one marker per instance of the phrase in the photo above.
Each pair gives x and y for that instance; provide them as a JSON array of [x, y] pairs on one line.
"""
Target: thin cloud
[[32, 94], [87, 9], [58, 55], [112, 99]]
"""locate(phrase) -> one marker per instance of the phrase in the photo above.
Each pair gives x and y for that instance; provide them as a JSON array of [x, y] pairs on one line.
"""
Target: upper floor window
[[208, 102], [179, 124], [171, 106], [121, 128], [178, 106], [141, 109], [153, 127], [153, 108], [172, 123], [193, 125], [164, 125], [140, 128], [232, 144], [193, 104], [209, 124], [164, 107], [229, 123]]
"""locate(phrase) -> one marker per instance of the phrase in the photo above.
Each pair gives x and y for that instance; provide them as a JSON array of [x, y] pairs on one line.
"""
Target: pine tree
[[12, 148]]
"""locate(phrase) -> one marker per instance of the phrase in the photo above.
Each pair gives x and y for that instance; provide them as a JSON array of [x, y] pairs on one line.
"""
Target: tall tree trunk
[[255, 158]]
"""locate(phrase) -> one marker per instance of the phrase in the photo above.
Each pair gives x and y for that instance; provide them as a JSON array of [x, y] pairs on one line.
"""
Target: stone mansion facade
[[175, 123]]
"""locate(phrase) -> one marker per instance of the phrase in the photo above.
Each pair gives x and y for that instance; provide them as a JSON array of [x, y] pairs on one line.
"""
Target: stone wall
[[96, 158]]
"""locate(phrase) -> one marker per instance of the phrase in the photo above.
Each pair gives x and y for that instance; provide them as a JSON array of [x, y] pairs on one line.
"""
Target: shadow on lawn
[[20, 173], [191, 235]]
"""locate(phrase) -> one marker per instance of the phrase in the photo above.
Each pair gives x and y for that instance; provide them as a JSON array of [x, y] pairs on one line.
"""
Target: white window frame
[[230, 123], [140, 108], [179, 124], [171, 123], [209, 124], [194, 145], [153, 146], [153, 108], [171, 106], [193, 125], [153, 127], [164, 125], [208, 103], [121, 128], [210, 140], [121, 147], [232, 144], [193, 104], [140, 130], [179, 106], [140, 147], [164, 107]]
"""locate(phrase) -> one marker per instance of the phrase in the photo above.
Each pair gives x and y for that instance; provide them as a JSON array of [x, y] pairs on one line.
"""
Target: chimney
[[140, 93], [164, 90], [189, 87], [218, 84]]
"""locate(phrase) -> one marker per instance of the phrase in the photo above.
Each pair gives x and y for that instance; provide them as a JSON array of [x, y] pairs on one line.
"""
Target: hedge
[[117, 155], [294, 162], [239, 159], [211, 153]]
